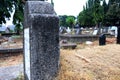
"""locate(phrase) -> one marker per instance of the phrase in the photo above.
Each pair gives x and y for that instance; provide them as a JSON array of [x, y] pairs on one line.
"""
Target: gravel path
[[11, 72]]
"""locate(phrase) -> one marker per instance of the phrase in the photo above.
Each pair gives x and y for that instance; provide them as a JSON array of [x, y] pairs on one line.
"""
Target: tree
[[70, 20], [7, 7], [85, 18], [111, 2], [5, 10], [18, 15], [98, 13], [93, 14], [105, 10], [113, 16], [52, 3], [107, 14], [63, 20]]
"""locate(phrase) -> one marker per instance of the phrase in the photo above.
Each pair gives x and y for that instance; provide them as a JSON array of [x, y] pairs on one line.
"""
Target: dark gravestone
[[102, 39], [118, 35], [41, 41]]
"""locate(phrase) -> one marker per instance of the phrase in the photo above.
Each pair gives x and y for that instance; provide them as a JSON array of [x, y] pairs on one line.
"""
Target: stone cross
[[41, 41]]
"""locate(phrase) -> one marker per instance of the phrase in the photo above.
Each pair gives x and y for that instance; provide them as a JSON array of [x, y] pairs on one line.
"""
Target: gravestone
[[68, 30], [95, 32], [102, 39], [78, 31], [41, 41]]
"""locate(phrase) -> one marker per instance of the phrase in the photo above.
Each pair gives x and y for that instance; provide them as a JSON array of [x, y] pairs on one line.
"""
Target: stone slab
[[68, 45], [11, 50]]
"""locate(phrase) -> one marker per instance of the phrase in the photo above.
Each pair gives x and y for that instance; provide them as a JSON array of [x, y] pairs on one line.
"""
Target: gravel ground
[[11, 72]]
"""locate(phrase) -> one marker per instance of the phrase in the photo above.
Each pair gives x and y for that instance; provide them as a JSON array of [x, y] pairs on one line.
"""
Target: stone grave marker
[[41, 41], [95, 32], [78, 31]]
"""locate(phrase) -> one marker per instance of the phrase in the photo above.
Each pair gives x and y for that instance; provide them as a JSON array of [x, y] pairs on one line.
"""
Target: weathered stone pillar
[[41, 41]]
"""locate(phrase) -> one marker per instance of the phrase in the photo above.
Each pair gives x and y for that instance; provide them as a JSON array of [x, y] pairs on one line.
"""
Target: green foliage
[[113, 14], [94, 13], [70, 20], [5, 10], [18, 15], [85, 18], [88, 17], [97, 12], [63, 20], [7, 7], [67, 21]]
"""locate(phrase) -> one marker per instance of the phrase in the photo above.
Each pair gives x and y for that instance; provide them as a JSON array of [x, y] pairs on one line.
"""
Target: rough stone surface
[[43, 27], [36, 7], [39, 7], [44, 39]]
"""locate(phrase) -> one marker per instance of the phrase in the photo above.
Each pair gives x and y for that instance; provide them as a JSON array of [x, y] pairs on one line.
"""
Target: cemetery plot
[[11, 44], [87, 61], [67, 45], [11, 52], [11, 59]]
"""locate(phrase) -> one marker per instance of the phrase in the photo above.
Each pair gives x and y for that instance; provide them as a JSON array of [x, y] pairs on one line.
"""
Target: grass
[[104, 65]]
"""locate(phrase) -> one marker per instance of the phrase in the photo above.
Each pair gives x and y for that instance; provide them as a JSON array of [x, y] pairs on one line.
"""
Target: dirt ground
[[90, 63], [11, 59]]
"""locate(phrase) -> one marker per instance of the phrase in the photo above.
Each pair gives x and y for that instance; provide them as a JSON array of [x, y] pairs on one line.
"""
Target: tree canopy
[[113, 14], [95, 13], [67, 21], [9, 6]]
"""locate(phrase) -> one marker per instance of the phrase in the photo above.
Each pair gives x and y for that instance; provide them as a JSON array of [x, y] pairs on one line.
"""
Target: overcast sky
[[69, 7]]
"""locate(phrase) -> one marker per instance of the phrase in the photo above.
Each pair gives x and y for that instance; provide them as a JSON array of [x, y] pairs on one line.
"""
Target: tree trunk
[[118, 35], [99, 28]]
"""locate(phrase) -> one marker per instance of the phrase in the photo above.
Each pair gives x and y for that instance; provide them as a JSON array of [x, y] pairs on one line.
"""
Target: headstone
[[63, 31], [102, 39], [118, 35], [78, 31], [10, 39], [41, 41], [105, 29], [68, 30], [95, 32]]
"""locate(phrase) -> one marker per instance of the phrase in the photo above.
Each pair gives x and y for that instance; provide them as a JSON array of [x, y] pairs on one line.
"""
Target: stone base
[[68, 46]]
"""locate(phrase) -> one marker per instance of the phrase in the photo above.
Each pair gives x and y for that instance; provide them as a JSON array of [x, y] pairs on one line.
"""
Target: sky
[[68, 7]]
